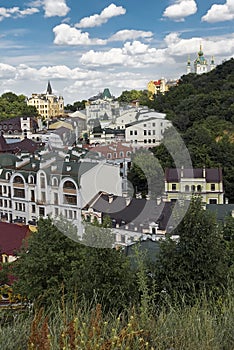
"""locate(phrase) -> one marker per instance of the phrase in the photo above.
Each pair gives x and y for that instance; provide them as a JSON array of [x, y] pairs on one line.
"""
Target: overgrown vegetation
[[85, 298]]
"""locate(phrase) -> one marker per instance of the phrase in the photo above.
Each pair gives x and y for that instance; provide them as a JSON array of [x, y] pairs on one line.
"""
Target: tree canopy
[[12, 105]]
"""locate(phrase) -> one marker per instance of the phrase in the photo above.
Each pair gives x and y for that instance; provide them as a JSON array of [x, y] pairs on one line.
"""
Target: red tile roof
[[11, 237]]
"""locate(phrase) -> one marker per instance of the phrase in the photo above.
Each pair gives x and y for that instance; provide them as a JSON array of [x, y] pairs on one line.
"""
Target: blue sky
[[83, 47]]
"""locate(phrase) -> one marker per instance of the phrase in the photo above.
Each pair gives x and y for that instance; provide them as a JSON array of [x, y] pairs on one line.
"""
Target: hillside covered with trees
[[201, 108]]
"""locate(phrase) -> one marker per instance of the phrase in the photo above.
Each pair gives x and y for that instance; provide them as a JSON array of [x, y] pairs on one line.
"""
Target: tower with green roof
[[200, 63]]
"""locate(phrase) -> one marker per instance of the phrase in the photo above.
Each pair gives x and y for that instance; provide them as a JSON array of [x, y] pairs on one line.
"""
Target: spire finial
[[49, 89]]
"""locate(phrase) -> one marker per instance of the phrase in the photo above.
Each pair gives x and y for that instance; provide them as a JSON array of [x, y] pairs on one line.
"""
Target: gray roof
[[138, 213]]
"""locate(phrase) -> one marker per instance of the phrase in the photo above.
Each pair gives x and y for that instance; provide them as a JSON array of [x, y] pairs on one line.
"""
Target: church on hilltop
[[200, 64]]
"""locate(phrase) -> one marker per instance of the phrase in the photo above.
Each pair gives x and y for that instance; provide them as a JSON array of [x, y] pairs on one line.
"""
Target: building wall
[[147, 132], [186, 187]]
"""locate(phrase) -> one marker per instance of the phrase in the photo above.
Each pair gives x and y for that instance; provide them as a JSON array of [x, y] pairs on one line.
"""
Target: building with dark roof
[[131, 218], [53, 183], [207, 182], [18, 126]]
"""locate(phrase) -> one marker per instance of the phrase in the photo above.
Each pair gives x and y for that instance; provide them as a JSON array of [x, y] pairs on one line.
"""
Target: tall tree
[[198, 261]]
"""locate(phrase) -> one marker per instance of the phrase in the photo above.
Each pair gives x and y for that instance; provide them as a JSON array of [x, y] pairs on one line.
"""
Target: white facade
[[28, 192], [147, 132]]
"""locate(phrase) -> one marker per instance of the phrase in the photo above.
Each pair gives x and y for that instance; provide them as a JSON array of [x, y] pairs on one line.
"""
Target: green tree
[[12, 105], [198, 261], [54, 264]]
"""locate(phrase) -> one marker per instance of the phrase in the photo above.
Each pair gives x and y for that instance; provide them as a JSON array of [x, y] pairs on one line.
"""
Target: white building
[[148, 130], [53, 184]]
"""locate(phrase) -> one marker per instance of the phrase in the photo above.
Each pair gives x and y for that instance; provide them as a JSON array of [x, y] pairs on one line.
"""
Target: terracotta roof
[[11, 237]]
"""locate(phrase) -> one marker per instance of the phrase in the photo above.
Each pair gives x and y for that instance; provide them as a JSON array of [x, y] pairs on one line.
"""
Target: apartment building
[[53, 183]]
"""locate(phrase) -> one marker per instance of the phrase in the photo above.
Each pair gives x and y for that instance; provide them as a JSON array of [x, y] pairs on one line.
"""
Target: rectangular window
[[213, 201], [212, 187], [55, 198], [135, 132], [19, 193], [41, 211], [145, 132], [131, 132], [173, 186]]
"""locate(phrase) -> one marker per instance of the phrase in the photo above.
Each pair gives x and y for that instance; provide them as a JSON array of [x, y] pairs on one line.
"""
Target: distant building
[[160, 86], [203, 181], [148, 130], [18, 126], [47, 104], [201, 64]]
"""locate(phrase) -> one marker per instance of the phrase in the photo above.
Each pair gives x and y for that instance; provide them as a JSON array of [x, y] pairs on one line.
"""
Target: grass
[[207, 325]]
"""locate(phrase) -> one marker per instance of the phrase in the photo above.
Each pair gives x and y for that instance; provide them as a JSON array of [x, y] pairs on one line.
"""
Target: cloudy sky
[[83, 47]]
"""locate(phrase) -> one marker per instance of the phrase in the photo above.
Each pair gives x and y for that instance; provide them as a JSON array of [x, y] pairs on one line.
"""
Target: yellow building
[[48, 105], [183, 183], [159, 86]]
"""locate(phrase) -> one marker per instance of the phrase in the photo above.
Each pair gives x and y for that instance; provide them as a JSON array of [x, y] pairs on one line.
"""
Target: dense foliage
[[198, 262], [76, 106], [12, 105], [53, 265], [201, 108]]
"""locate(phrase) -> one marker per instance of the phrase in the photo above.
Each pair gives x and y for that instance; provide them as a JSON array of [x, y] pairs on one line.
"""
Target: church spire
[[49, 89]]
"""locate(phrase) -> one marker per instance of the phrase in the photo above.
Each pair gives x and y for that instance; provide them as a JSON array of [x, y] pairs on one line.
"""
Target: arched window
[[199, 188], [54, 181], [187, 188], [18, 179], [193, 188], [31, 179], [69, 185]]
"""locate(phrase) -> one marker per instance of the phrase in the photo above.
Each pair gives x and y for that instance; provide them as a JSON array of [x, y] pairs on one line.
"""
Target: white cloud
[[126, 34], [219, 13], [135, 54], [55, 8], [15, 12], [67, 35], [213, 46], [98, 19], [7, 71], [180, 9]]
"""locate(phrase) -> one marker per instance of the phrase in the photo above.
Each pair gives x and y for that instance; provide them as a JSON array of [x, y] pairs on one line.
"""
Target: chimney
[[110, 198], [182, 172], [128, 200], [204, 172], [158, 200]]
